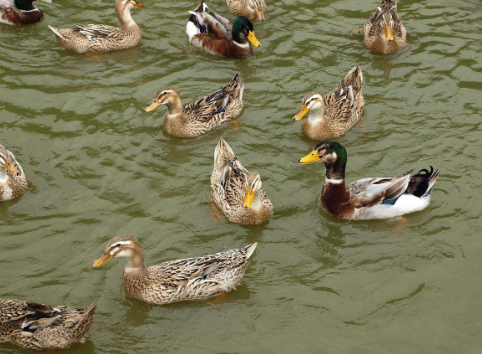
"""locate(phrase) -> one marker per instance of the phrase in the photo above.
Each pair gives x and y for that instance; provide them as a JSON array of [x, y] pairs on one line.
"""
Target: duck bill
[[252, 38], [260, 14], [310, 158], [139, 5], [152, 106], [303, 111], [388, 33], [248, 198], [104, 258]]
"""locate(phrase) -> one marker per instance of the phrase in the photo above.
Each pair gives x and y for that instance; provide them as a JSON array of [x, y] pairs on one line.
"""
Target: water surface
[[101, 167]]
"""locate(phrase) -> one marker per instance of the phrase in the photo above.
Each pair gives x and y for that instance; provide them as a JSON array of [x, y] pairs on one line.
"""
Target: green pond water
[[100, 167]]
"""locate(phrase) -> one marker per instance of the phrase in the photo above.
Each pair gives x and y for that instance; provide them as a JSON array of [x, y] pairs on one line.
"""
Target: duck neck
[[123, 13], [175, 108], [256, 206], [136, 261], [316, 115], [335, 171], [25, 5]]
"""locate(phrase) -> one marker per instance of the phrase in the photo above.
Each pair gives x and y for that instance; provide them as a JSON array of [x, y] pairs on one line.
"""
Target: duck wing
[[98, 32], [208, 108], [13, 310], [368, 192]]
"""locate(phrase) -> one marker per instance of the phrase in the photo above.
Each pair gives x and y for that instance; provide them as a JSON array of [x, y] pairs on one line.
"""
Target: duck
[[203, 115], [196, 278], [384, 32], [335, 114], [251, 9], [32, 325], [236, 191], [13, 182], [216, 35], [103, 38], [369, 198], [20, 12]]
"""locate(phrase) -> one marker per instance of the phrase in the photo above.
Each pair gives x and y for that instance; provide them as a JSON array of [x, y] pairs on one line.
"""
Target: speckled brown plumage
[[338, 111], [102, 38], [374, 29], [13, 182], [247, 8], [36, 326], [172, 281], [230, 182], [203, 115]]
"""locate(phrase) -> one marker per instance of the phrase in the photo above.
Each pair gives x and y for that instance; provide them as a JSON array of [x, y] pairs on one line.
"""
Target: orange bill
[[248, 198], [301, 113], [104, 258]]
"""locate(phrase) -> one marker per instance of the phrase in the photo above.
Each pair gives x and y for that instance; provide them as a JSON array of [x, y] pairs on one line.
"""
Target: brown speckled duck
[[369, 198], [102, 38], [35, 326], [13, 182], [250, 9], [186, 279], [236, 191], [203, 115], [336, 113], [384, 32], [216, 35], [20, 12]]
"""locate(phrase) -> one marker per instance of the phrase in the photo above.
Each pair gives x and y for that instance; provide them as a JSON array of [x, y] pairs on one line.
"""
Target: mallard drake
[[13, 182], [369, 198], [250, 9], [41, 327], [203, 115], [217, 36], [236, 191], [186, 279], [102, 38], [333, 115], [384, 32], [20, 12]]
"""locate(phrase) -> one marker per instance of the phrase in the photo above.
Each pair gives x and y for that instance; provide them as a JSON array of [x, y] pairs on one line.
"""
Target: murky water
[[101, 167]]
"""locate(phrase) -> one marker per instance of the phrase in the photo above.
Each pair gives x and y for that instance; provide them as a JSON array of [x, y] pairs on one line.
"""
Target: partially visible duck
[[369, 198], [250, 9], [103, 38], [384, 32], [13, 182], [216, 35], [36, 326], [20, 12], [335, 114]]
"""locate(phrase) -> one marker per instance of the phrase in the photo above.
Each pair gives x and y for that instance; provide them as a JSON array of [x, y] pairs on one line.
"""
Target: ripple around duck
[[101, 167]]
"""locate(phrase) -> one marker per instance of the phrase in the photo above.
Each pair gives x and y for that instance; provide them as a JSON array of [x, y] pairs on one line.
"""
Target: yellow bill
[[152, 106], [138, 4], [104, 258], [310, 158], [388, 33], [248, 198], [302, 112], [252, 38]]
